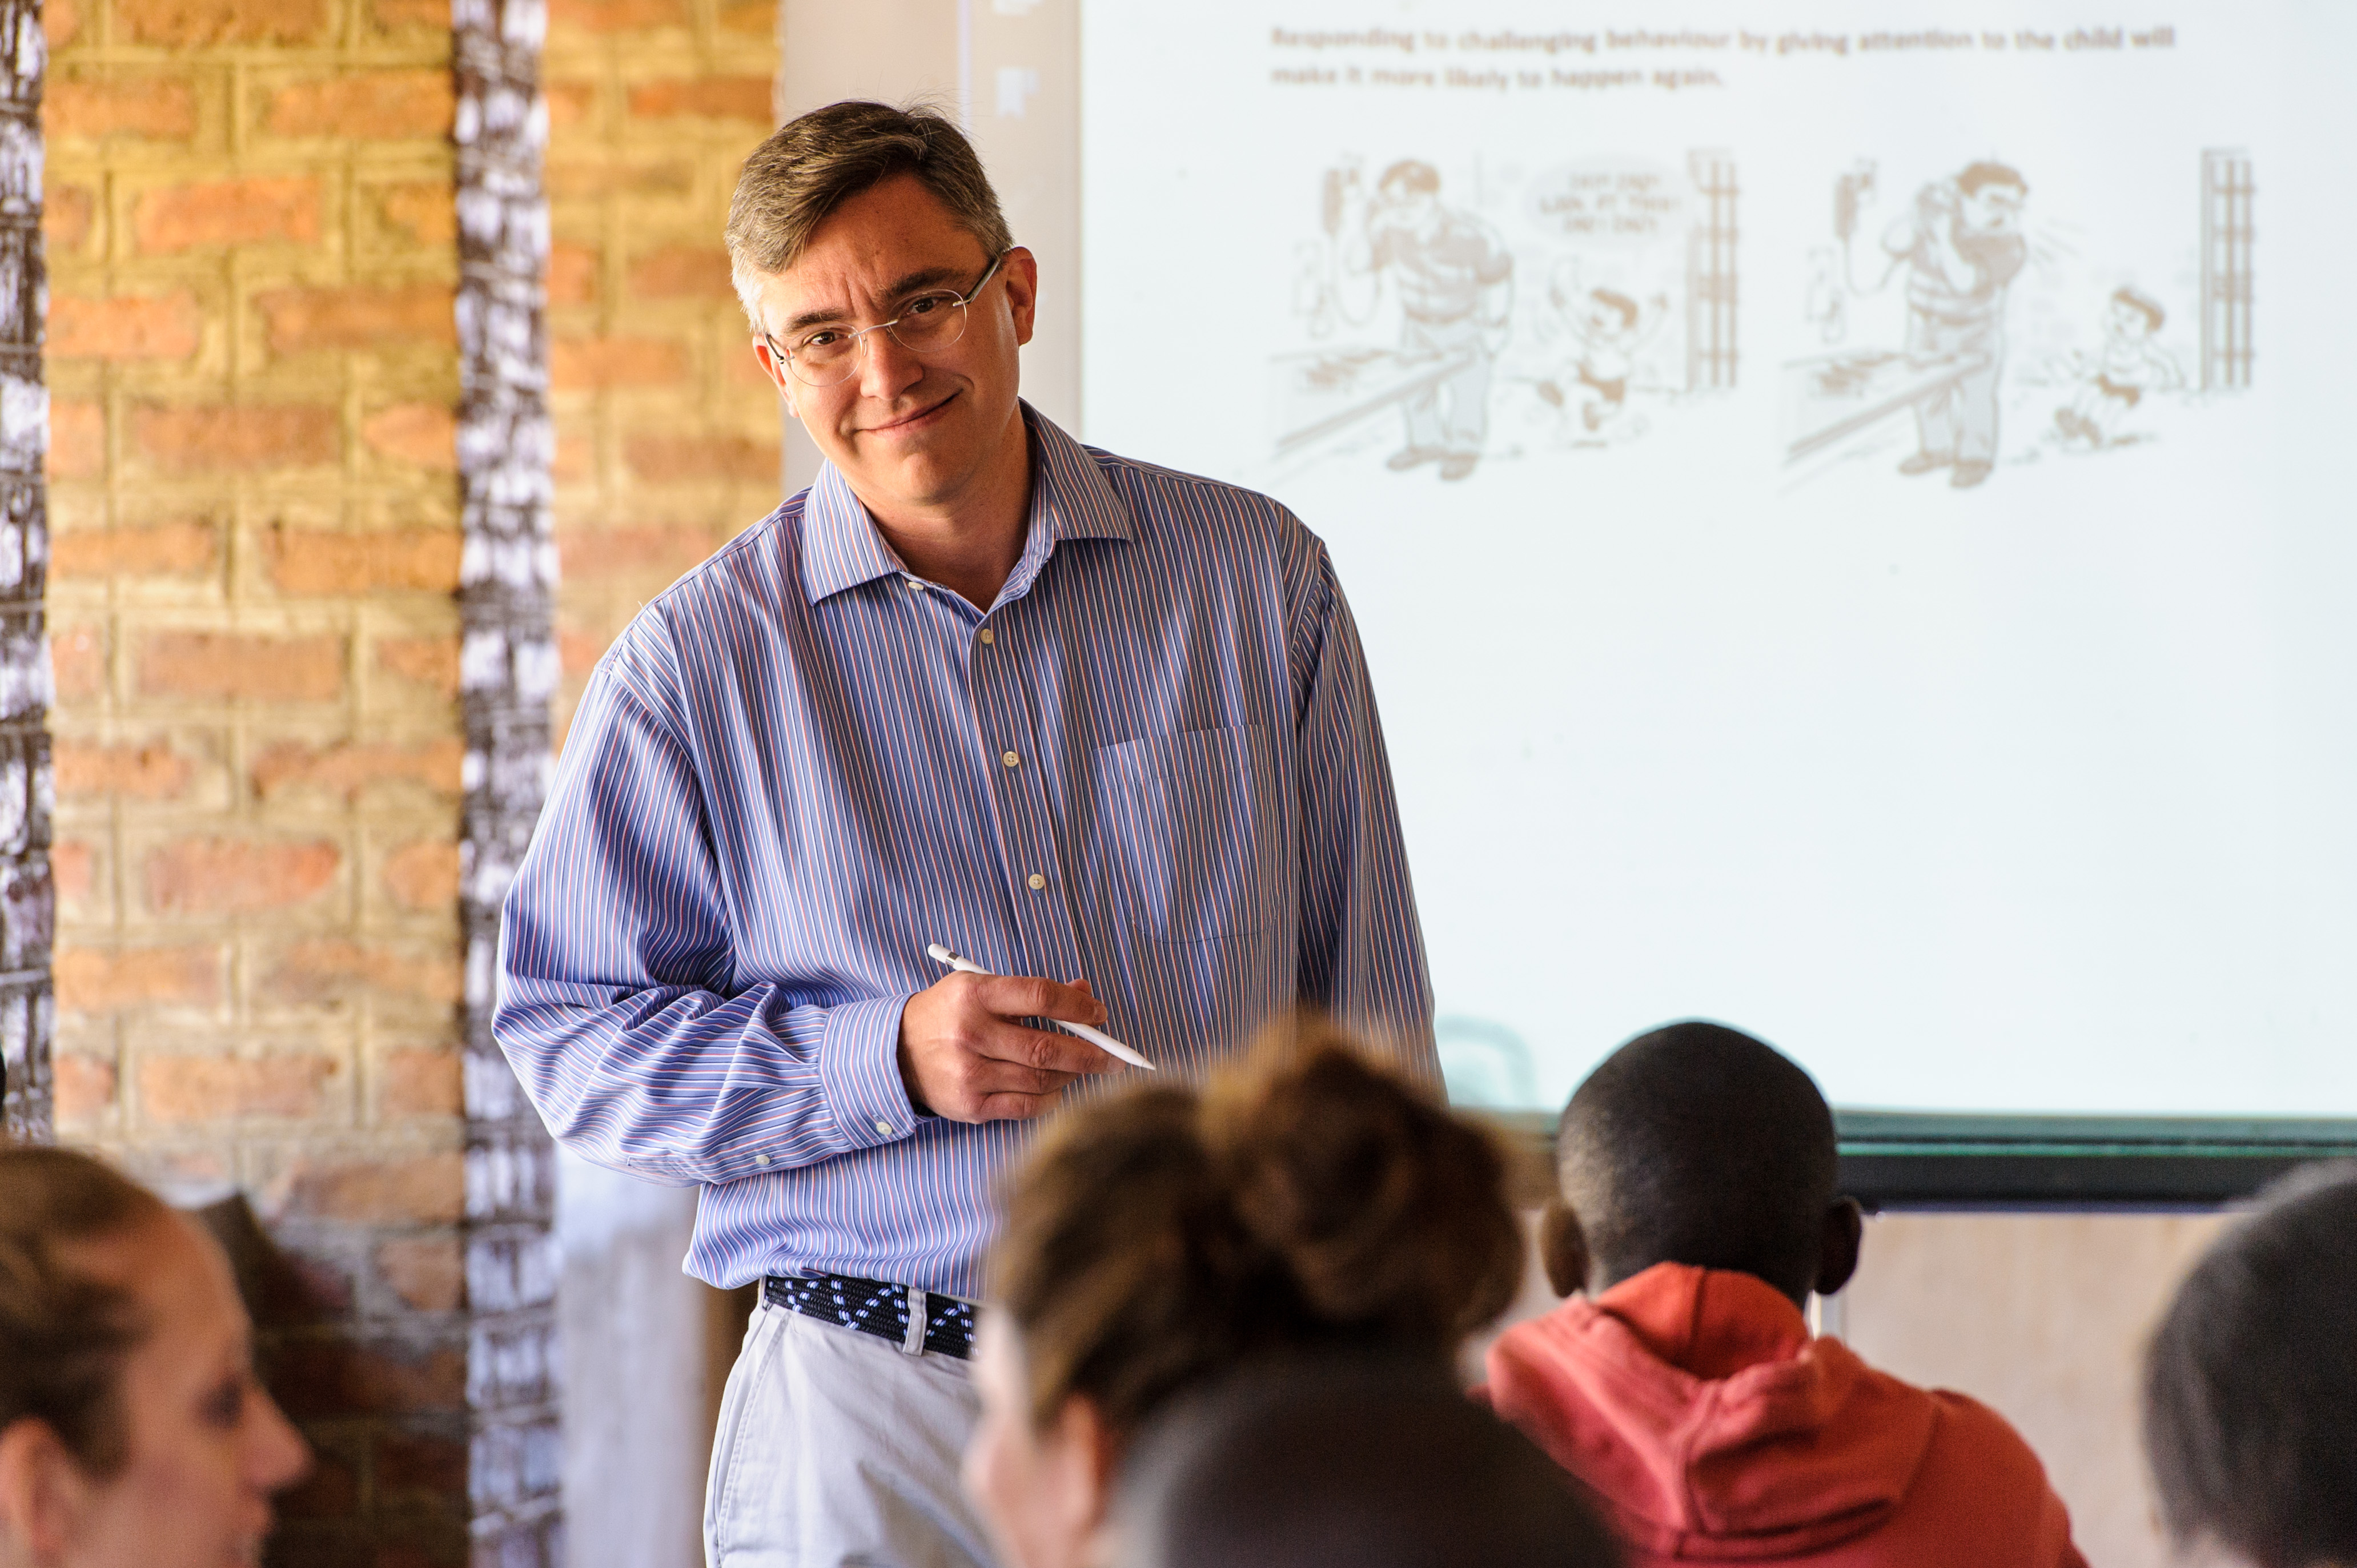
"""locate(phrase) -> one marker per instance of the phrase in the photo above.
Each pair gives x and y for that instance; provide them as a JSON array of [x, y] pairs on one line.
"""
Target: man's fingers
[[965, 1054], [1013, 1107], [1029, 996], [988, 1075], [1040, 1050]]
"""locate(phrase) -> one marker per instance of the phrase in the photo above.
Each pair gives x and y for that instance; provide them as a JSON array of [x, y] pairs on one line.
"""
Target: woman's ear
[[1084, 1465], [42, 1491], [1563, 1248]]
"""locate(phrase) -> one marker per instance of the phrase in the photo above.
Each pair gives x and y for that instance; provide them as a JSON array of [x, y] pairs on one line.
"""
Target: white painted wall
[[636, 1422]]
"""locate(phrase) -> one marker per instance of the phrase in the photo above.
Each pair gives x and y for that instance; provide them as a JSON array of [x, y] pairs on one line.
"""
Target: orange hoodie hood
[[1693, 1403]]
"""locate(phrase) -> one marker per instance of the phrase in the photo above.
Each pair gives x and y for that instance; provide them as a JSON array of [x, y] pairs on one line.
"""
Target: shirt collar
[[1071, 499]]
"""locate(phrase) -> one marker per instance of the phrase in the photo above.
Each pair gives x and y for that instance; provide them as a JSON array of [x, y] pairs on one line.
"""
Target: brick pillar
[[508, 673], [265, 755], [28, 903]]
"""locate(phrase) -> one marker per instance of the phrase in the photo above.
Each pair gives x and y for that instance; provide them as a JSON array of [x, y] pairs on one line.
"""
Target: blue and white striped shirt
[[1154, 763]]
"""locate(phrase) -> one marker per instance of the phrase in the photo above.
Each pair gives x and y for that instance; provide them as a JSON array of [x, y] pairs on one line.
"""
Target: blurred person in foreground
[[1348, 1466], [133, 1434], [1308, 1205], [1698, 1211], [1102, 728], [2250, 1401]]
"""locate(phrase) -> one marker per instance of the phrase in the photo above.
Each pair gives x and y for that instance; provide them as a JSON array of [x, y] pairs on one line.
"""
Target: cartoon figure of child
[[1609, 327], [2112, 382]]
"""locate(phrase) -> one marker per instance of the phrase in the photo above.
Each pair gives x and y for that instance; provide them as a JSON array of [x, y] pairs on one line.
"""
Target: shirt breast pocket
[[1194, 843]]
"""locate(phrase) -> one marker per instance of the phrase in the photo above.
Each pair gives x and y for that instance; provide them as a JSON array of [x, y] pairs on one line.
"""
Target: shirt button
[[884, 1127], [989, 637], [1037, 881], [761, 1159], [916, 585], [1009, 758]]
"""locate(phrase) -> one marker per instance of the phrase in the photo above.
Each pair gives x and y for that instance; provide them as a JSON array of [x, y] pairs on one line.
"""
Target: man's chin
[[919, 477]]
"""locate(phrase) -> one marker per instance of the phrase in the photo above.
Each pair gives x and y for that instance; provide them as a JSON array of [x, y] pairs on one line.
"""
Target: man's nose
[[887, 369]]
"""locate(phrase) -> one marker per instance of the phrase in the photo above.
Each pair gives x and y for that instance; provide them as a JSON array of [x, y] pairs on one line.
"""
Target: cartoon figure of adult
[[1455, 284], [1103, 728], [1962, 246]]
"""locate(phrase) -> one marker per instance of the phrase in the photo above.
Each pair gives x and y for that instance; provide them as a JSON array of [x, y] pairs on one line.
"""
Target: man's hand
[[963, 1056]]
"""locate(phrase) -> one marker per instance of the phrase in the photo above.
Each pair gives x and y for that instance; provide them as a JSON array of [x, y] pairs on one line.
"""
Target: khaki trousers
[[839, 1450]]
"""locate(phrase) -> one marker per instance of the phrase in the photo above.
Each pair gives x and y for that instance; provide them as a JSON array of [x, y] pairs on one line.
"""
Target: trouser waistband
[[917, 1320]]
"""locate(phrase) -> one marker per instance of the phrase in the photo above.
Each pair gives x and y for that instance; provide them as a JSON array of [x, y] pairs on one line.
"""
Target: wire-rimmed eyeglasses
[[928, 323]]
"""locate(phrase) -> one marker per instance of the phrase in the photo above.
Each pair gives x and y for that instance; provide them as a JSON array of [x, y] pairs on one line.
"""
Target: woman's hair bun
[[1308, 1199], [1389, 1212]]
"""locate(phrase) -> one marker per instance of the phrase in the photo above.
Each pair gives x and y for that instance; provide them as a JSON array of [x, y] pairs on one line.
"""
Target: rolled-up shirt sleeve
[[616, 1004], [1361, 953]]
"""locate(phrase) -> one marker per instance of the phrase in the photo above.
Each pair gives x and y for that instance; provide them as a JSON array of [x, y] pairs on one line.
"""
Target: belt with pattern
[[916, 1320]]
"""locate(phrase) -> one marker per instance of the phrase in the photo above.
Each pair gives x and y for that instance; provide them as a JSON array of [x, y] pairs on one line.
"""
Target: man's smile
[[913, 422]]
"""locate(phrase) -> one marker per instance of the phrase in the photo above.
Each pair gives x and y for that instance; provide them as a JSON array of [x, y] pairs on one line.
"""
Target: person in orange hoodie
[[1698, 1210]]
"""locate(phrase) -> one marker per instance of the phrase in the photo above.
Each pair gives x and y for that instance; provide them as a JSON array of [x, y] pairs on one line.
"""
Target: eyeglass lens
[[927, 323]]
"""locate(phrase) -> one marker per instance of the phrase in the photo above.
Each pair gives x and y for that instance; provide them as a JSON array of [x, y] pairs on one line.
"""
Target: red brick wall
[[667, 435], [259, 737], [257, 733]]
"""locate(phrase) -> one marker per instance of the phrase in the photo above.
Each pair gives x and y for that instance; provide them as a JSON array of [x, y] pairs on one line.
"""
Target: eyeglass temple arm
[[988, 272]]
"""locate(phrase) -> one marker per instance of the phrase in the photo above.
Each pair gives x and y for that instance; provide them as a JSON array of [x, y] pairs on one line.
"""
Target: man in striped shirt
[[1103, 728]]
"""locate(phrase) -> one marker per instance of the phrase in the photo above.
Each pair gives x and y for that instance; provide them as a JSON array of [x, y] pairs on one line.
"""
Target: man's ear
[[1563, 1248], [1838, 1245], [777, 373], [42, 1490], [1021, 271]]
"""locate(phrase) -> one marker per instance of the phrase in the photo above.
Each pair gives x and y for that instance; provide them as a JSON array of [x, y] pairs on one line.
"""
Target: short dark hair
[[1412, 173], [2150, 307], [65, 1332], [1344, 1465], [2250, 1392], [812, 165], [1987, 172], [1698, 1144]]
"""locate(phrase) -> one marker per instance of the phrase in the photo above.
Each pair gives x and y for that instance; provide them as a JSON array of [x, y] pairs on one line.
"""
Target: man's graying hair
[[814, 165]]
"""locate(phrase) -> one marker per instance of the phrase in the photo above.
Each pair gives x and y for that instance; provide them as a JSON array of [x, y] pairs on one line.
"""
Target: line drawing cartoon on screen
[[1636, 244], [1960, 246], [2227, 190], [1449, 279], [1414, 298], [1607, 328], [2109, 383]]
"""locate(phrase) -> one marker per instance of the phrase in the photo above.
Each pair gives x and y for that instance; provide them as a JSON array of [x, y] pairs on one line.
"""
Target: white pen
[[1100, 1040]]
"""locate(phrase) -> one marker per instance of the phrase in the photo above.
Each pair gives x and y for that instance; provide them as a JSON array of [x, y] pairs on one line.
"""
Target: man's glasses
[[927, 324]]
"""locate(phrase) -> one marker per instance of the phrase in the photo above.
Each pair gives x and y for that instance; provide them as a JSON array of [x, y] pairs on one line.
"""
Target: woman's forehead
[[180, 1276]]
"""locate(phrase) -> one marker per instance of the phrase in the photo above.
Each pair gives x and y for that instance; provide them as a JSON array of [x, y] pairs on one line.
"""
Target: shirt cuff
[[859, 1072]]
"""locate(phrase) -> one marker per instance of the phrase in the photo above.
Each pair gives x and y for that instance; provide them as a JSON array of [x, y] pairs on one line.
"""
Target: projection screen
[[1847, 507]]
